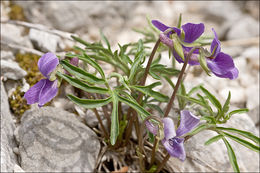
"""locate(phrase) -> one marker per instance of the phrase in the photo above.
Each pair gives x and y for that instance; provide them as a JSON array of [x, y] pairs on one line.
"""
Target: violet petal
[[166, 40], [169, 128], [192, 31], [215, 43], [223, 66], [175, 147], [163, 28], [187, 123], [48, 92], [151, 127], [47, 63], [160, 25], [32, 95]]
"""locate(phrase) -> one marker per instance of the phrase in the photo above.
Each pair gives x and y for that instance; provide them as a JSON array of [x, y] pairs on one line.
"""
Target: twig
[[62, 34]]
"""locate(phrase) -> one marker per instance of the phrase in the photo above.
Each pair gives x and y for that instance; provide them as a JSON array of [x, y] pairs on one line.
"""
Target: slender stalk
[[179, 81], [101, 123], [99, 119], [153, 151], [105, 110], [166, 158], [140, 139], [140, 96]]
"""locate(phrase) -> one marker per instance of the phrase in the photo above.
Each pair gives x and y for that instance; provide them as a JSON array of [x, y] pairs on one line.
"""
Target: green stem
[[178, 82], [153, 151]]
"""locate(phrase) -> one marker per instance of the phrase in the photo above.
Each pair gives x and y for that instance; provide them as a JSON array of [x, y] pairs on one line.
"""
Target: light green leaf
[[212, 98], [196, 88], [197, 130], [246, 134], [213, 139], [80, 40], [232, 156], [81, 74], [202, 61], [135, 106], [105, 39], [147, 90], [136, 64], [179, 21], [242, 142], [156, 107], [88, 60], [226, 104], [177, 46], [89, 103], [238, 111], [114, 132], [81, 85]]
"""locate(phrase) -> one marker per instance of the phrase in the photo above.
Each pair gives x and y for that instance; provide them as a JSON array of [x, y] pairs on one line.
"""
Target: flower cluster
[[219, 63]]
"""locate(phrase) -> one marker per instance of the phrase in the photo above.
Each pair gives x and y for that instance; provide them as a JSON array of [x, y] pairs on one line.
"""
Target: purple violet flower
[[192, 32], [173, 142], [219, 63], [45, 90]]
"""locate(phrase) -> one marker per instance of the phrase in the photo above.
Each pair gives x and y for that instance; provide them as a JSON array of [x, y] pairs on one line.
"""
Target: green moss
[[16, 12], [18, 103]]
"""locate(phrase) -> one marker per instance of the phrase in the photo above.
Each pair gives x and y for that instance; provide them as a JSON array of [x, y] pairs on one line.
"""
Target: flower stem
[[140, 96], [178, 81], [153, 151], [166, 158], [140, 140]]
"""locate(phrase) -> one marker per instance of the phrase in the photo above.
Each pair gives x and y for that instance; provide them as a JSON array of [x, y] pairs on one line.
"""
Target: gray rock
[[243, 28], [12, 70], [52, 139], [7, 55], [14, 34], [214, 157], [8, 158], [44, 41]]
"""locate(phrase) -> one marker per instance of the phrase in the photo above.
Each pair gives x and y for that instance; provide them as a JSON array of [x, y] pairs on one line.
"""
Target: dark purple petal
[[163, 28], [151, 127], [32, 95], [187, 123], [166, 40], [175, 147], [169, 128], [223, 66], [192, 31], [160, 25], [215, 45], [48, 92], [47, 63]]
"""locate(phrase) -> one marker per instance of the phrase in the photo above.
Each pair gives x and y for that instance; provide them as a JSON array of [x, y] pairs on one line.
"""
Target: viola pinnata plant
[[132, 64]]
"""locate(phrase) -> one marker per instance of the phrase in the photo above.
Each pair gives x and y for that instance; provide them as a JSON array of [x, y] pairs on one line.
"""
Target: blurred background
[[236, 23]]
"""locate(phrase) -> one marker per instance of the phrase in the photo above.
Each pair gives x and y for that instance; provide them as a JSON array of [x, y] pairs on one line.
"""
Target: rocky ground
[[53, 138]]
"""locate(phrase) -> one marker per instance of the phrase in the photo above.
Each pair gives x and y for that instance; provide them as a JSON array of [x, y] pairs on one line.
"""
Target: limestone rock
[[44, 41], [54, 140], [8, 158], [244, 28], [12, 70]]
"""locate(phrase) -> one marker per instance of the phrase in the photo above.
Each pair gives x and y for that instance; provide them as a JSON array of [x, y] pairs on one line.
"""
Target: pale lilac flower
[[173, 142], [45, 90], [219, 63]]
